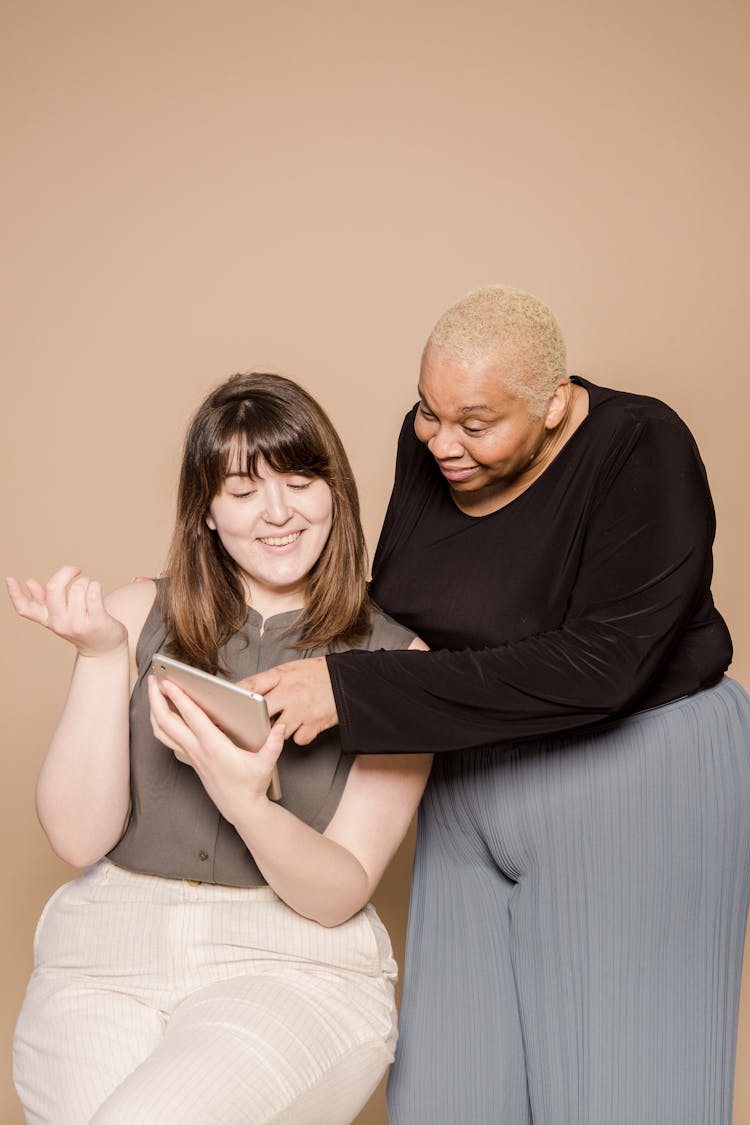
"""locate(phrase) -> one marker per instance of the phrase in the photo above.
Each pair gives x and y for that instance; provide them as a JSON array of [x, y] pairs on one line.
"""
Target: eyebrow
[[464, 409]]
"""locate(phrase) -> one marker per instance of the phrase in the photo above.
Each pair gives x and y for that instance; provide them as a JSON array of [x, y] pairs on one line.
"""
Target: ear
[[558, 405], [210, 524]]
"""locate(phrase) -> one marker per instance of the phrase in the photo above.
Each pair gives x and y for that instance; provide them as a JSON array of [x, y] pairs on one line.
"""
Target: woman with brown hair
[[218, 961]]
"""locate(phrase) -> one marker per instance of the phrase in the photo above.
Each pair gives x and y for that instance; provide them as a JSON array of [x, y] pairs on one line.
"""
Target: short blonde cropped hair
[[498, 319]]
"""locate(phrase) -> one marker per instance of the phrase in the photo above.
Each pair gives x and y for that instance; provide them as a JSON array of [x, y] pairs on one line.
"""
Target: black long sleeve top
[[584, 599]]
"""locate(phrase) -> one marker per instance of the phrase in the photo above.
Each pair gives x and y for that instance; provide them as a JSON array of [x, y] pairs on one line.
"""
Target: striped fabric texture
[[577, 925], [160, 1002]]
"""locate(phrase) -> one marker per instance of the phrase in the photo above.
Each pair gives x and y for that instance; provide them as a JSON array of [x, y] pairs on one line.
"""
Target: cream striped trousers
[[156, 1001]]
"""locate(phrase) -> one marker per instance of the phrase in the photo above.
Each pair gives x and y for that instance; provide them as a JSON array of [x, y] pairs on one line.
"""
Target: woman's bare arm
[[83, 788]]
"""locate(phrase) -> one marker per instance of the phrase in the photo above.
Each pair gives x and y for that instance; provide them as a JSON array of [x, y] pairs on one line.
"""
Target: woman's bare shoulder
[[132, 603]]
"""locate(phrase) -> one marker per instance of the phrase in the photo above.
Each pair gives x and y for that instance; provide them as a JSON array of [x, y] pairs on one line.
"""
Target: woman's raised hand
[[72, 606]]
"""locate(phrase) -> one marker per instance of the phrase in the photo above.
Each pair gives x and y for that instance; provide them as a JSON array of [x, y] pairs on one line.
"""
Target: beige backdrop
[[194, 188]]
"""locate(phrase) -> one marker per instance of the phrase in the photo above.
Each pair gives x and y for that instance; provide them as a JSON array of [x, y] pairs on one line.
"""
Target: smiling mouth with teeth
[[280, 540]]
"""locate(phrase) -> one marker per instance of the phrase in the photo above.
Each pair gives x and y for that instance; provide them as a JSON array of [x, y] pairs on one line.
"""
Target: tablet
[[241, 714]]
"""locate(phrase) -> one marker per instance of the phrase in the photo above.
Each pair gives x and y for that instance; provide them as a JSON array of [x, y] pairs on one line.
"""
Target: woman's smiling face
[[484, 438], [275, 527]]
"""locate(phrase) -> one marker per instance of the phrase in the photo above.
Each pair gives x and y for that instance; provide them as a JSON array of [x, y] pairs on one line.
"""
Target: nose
[[277, 510], [444, 444]]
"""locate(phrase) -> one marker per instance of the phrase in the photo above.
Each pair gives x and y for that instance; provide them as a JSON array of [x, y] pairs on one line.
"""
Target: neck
[[553, 441], [268, 603]]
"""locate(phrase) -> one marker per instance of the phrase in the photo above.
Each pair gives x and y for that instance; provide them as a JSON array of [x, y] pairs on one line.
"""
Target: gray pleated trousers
[[577, 924]]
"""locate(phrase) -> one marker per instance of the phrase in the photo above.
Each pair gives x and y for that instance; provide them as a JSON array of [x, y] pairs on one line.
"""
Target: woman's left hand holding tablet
[[232, 777], [72, 606]]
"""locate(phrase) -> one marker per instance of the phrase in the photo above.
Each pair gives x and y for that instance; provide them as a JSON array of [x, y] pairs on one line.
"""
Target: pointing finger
[[263, 682]]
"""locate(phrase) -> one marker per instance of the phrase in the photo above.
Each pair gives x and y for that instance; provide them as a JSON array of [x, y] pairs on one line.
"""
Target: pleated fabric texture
[[577, 925], [156, 1001]]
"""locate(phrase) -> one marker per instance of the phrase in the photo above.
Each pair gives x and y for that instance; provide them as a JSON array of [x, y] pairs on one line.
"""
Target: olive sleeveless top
[[174, 829]]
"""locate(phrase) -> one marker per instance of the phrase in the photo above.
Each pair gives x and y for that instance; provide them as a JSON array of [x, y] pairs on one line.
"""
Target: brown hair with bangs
[[249, 417]]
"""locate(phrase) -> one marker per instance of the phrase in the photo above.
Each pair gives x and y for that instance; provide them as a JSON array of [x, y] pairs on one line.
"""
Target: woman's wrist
[[107, 655], [247, 809]]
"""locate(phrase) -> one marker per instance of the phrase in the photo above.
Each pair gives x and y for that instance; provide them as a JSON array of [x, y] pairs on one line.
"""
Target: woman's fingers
[[300, 694], [38, 592], [272, 747], [275, 739], [74, 613], [72, 606], [195, 739], [167, 726], [303, 699], [43, 604], [56, 591], [94, 597], [27, 605], [188, 725], [262, 682], [194, 718]]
